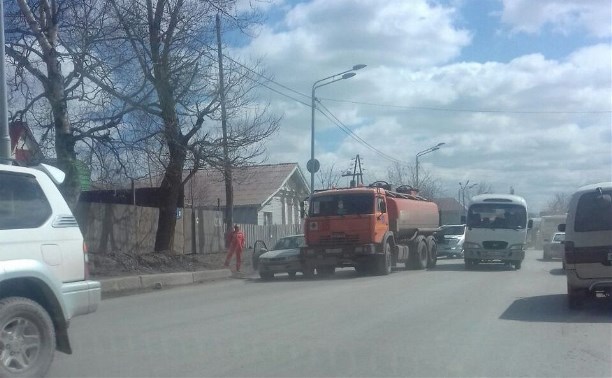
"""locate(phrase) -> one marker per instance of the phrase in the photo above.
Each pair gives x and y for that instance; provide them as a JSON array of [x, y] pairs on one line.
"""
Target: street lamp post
[[313, 165], [424, 152]]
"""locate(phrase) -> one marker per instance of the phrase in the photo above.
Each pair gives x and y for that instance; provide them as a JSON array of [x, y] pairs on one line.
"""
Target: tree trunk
[[64, 140]]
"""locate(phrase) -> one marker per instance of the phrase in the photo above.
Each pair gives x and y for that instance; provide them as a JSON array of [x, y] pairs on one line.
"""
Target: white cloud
[[564, 16], [542, 129]]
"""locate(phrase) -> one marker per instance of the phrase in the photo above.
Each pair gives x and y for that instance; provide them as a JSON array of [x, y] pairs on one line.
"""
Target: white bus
[[496, 230]]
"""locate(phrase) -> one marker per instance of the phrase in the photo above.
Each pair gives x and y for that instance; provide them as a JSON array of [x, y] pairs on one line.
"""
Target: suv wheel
[[27, 338], [575, 297]]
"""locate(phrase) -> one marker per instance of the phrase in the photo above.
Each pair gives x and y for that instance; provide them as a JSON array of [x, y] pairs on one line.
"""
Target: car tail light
[[569, 252], [86, 260]]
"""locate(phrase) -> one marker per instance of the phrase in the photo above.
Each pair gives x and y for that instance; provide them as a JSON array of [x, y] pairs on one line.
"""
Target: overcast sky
[[519, 90]]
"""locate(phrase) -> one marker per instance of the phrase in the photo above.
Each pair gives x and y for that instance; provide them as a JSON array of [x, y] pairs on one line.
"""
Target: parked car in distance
[[554, 249], [588, 243], [450, 240], [284, 257], [43, 270]]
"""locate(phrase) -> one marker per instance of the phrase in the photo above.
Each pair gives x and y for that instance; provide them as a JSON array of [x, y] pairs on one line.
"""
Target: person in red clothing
[[235, 246]]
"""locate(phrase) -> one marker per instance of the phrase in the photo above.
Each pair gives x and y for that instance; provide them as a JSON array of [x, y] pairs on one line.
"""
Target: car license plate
[[333, 251]]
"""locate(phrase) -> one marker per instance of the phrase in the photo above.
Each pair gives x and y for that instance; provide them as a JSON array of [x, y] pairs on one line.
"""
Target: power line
[[356, 137], [267, 78], [469, 110]]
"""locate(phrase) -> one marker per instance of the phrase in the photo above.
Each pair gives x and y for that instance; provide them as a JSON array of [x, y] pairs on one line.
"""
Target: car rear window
[[594, 212], [22, 202]]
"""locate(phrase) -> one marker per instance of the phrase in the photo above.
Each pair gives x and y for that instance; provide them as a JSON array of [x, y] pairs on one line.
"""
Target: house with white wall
[[267, 194]]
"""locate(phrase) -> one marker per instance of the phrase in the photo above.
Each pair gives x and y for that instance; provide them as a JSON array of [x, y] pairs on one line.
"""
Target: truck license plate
[[334, 251]]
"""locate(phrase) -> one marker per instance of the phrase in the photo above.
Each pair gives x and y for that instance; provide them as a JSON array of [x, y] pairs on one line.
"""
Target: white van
[[588, 243], [496, 230]]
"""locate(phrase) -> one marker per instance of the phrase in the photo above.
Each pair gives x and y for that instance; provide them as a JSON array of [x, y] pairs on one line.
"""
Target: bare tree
[[159, 57], [483, 187], [37, 53], [429, 186], [329, 178], [558, 204]]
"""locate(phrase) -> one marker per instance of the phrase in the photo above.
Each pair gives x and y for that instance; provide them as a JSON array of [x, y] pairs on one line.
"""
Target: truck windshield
[[497, 215], [342, 204]]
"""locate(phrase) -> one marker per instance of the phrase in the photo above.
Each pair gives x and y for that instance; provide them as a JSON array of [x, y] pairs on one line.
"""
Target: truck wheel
[[27, 338], [361, 269], [419, 258], [267, 276], [432, 252], [384, 262]]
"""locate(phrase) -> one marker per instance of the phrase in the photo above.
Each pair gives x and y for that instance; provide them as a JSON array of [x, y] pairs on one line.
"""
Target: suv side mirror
[[561, 227]]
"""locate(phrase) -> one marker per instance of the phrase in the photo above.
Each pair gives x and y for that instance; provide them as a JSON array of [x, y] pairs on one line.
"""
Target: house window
[[267, 218]]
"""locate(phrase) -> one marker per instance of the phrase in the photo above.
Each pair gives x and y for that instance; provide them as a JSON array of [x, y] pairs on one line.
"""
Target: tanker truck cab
[[496, 230], [367, 228]]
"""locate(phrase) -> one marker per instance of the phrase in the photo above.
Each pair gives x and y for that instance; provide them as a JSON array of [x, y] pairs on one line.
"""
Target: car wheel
[[517, 265], [361, 269], [308, 272], [292, 275], [266, 276], [27, 338], [326, 271]]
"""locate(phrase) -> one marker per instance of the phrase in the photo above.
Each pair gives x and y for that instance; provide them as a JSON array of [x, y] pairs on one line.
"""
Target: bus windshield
[[342, 204], [497, 215]]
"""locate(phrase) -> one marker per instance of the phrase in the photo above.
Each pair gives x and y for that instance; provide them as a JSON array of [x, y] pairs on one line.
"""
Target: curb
[[118, 285]]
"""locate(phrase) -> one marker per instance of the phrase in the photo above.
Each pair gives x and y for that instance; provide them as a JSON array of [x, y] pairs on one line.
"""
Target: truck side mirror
[[463, 219], [383, 207], [530, 223], [561, 227], [302, 211]]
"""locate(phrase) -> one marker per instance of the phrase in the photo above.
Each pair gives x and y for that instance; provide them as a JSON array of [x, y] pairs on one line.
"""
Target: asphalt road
[[492, 321]]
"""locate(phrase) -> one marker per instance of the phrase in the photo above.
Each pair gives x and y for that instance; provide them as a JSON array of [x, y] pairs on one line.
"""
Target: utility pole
[[5, 140], [227, 168], [357, 176]]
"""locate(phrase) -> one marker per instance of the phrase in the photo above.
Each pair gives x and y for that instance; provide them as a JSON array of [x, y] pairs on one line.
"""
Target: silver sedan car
[[284, 257]]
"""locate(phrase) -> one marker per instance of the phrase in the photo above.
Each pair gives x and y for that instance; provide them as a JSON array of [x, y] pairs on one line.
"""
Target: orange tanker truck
[[369, 228]]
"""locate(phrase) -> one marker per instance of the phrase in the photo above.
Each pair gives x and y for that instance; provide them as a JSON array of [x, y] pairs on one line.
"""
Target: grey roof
[[253, 185], [448, 204]]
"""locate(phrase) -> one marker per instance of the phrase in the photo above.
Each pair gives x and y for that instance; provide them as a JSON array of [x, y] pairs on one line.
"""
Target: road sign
[[313, 166]]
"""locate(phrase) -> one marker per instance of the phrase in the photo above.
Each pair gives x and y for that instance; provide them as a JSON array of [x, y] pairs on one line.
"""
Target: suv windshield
[[496, 215], [342, 204]]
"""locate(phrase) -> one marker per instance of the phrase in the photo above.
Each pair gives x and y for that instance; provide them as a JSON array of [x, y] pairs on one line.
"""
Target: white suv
[[588, 243], [43, 270]]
